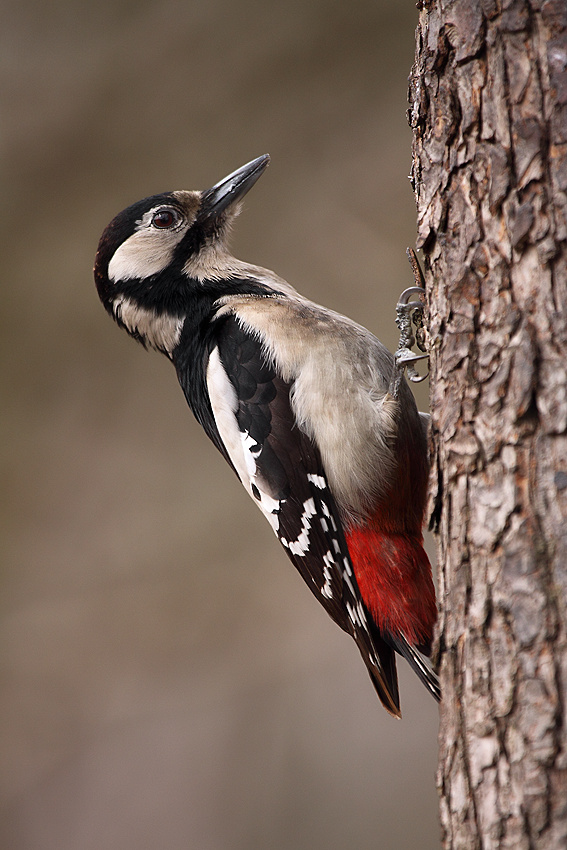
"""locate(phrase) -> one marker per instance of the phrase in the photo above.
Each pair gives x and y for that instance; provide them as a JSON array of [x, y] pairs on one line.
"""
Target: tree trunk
[[488, 106]]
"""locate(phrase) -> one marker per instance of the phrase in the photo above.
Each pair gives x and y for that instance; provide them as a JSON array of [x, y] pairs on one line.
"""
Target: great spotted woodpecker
[[295, 397]]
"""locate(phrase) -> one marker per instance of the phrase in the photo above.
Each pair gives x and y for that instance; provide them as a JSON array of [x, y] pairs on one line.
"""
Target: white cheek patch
[[145, 253]]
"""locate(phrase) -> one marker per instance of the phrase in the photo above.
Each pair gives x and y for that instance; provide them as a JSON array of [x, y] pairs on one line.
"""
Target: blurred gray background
[[167, 679]]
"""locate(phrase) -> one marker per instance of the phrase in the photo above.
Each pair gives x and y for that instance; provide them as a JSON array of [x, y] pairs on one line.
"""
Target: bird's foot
[[409, 315]]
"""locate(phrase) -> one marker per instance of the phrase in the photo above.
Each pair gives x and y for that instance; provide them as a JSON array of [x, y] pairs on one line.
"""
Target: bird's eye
[[164, 219]]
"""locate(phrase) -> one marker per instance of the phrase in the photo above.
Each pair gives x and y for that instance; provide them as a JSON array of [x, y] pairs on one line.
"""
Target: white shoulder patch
[[239, 444]]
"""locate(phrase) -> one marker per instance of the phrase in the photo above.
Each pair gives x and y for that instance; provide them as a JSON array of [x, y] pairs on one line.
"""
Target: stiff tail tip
[[413, 657]]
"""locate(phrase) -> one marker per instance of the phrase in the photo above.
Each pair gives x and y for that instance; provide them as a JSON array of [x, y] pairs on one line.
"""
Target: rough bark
[[488, 106]]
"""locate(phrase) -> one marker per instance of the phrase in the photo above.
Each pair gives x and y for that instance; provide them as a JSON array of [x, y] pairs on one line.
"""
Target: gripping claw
[[409, 313]]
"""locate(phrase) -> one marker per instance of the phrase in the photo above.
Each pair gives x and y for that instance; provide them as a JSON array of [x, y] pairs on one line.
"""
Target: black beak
[[232, 188]]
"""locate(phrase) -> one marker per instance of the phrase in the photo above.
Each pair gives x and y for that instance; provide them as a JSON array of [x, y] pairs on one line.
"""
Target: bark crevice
[[488, 108]]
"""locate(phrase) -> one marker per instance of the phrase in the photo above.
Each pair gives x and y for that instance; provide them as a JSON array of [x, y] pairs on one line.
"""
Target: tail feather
[[412, 656], [386, 684], [385, 677]]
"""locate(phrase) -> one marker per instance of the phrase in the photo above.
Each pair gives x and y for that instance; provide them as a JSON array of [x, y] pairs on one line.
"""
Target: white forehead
[[148, 250]]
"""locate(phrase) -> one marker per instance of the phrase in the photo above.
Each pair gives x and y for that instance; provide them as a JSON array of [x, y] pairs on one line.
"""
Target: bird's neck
[[215, 264], [153, 328], [158, 323]]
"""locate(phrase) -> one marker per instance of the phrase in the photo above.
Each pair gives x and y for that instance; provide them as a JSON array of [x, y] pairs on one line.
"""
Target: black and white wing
[[281, 468]]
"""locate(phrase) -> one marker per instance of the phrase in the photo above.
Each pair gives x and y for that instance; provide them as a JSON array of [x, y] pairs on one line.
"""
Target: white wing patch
[[244, 451], [250, 456], [332, 576], [238, 444]]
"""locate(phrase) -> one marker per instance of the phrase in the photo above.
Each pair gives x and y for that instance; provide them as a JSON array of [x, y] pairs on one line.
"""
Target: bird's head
[[152, 253]]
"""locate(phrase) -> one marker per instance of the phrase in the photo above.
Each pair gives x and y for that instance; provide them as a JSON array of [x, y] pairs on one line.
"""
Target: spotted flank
[[281, 469]]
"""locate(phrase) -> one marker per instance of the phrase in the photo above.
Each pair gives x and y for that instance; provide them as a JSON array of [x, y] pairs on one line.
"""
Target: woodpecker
[[295, 397]]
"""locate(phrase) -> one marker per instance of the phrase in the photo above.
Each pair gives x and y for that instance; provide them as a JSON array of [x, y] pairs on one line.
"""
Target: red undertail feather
[[394, 576]]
